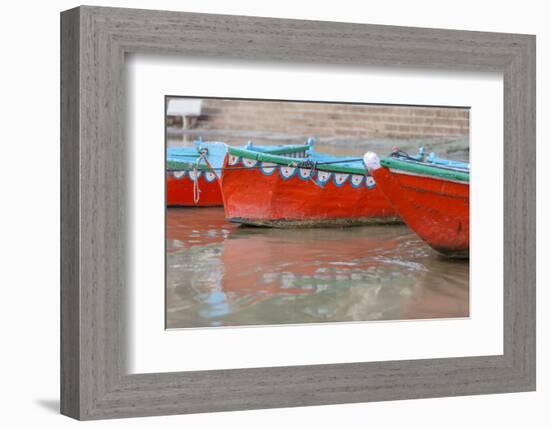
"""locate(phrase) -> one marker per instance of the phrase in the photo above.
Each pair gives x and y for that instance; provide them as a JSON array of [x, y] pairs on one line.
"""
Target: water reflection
[[221, 274]]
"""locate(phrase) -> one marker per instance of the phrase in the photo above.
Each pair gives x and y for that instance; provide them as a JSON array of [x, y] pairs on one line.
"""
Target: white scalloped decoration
[[371, 183], [178, 174], [287, 171], [268, 168], [305, 173], [323, 176], [194, 173], [232, 160], [210, 176], [340, 178], [356, 180], [249, 163]]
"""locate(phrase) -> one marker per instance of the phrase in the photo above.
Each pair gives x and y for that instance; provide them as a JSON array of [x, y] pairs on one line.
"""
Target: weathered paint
[[437, 209], [281, 195], [180, 189]]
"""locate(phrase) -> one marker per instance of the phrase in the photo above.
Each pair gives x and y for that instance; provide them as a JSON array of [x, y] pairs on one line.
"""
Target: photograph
[[282, 212]]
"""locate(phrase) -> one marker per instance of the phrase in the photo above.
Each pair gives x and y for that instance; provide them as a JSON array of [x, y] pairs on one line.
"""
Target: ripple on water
[[220, 274]]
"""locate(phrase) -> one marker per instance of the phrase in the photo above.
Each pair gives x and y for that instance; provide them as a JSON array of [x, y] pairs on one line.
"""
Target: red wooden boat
[[298, 187], [432, 196], [192, 174], [180, 189]]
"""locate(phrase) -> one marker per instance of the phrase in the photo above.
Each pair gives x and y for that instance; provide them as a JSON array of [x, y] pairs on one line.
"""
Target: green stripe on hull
[[184, 166], [280, 159], [425, 169], [287, 150]]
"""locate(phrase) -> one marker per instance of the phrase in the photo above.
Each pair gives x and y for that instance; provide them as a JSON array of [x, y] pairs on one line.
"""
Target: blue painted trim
[[311, 173], [370, 186], [239, 160], [327, 180], [343, 183], [433, 159], [360, 182], [275, 167], [206, 176], [290, 176], [244, 159]]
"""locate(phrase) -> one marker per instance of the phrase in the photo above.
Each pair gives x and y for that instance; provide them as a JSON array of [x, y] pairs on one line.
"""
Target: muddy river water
[[223, 274]]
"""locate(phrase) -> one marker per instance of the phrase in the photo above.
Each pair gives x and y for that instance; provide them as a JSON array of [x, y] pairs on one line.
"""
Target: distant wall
[[341, 121]]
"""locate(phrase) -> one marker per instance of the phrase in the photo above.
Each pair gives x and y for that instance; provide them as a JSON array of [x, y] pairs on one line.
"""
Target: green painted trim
[[285, 161], [185, 166], [425, 169], [288, 150]]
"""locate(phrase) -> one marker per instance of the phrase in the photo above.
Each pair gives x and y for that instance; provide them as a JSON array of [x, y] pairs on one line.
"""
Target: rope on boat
[[196, 190], [307, 164], [304, 165], [402, 155], [358, 159], [313, 169], [203, 155]]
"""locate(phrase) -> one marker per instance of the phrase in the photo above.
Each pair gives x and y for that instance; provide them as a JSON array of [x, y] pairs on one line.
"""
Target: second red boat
[[432, 197], [298, 187]]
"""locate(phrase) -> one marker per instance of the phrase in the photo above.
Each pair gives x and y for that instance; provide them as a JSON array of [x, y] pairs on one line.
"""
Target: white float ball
[[371, 160]]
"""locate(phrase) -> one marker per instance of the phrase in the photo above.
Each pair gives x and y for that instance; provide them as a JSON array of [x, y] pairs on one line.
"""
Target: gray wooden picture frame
[[94, 41]]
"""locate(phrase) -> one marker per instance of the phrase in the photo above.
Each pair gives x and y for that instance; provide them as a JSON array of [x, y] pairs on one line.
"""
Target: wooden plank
[[70, 219]]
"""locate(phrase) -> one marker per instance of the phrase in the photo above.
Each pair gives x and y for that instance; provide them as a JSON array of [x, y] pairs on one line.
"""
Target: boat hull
[[180, 189], [437, 210], [264, 194]]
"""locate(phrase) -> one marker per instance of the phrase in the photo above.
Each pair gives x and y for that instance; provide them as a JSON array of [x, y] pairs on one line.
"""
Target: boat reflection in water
[[221, 274]]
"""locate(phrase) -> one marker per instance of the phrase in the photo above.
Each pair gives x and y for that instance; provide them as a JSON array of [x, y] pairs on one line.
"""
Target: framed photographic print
[[292, 227], [261, 213]]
